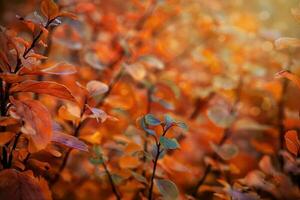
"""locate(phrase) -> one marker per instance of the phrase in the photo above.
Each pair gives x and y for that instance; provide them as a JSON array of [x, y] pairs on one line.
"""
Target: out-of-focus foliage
[[152, 99]]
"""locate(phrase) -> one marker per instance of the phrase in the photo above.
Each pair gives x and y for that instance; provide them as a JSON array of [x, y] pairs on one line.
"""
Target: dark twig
[[113, 186]]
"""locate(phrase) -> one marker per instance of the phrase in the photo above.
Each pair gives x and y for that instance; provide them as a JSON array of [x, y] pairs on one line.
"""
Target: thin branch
[[113, 186]]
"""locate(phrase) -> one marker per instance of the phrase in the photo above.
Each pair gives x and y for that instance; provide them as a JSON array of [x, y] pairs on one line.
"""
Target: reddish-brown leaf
[[49, 9], [44, 87], [292, 142], [11, 78], [15, 185], [37, 122]]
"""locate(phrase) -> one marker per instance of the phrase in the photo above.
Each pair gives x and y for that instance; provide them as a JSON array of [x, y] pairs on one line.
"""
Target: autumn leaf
[[11, 78], [37, 122], [49, 9], [17, 185], [96, 88], [44, 87], [6, 137], [292, 142], [69, 141], [61, 68], [130, 162]]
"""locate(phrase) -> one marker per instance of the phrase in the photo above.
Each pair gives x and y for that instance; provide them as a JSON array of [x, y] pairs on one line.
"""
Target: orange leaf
[[44, 87], [49, 9], [7, 121], [5, 137], [37, 122], [292, 142], [11, 78], [68, 14], [128, 162]]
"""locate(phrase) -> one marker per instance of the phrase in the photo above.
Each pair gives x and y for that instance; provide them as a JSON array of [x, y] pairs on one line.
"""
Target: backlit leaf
[[44, 87], [49, 9], [292, 142], [37, 122]]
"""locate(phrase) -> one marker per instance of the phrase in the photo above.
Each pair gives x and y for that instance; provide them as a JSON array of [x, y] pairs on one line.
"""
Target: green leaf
[[182, 125], [169, 121], [145, 127], [151, 120], [168, 189], [154, 152], [96, 161], [139, 177], [169, 143]]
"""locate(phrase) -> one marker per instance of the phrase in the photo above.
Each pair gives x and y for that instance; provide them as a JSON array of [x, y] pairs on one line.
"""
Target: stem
[[158, 152], [153, 172], [112, 184], [13, 148]]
